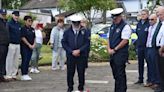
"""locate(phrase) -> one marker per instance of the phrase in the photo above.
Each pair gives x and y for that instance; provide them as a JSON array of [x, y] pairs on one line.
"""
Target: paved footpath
[[98, 79]]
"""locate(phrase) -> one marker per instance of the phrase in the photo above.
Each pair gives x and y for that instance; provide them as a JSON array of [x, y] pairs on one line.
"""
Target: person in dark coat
[[142, 33], [84, 23], [76, 41], [4, 42]]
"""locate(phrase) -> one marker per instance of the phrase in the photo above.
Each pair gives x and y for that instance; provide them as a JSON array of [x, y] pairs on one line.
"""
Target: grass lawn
[[46, 54]]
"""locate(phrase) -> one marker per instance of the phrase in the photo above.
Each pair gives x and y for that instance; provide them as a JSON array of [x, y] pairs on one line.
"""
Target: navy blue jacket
[[4, 33], [82, 42], [14, 31], [142, 33], [29, 34], [115, 37]]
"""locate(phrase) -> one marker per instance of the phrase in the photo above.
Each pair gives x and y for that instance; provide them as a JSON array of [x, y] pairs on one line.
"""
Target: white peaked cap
[[76, 18], [116, 11]]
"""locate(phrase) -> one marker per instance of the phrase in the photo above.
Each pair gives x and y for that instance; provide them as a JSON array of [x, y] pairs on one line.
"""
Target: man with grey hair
[[160, 44], [142, 33]]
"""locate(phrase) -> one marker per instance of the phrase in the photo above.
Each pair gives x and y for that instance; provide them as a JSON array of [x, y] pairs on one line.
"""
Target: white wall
[[41, 18]]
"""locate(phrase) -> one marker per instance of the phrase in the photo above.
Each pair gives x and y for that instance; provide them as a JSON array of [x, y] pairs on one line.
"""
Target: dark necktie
[[76, 35], [155, 34]]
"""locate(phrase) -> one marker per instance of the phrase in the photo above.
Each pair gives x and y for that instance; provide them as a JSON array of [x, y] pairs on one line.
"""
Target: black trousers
[[26, 54], [74, 63], [118, 65], [161, 71], [141, 52], [3, 55]]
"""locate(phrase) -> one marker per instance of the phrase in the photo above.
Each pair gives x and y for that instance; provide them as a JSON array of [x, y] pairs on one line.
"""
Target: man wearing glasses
[[152, 52], [119, 34]]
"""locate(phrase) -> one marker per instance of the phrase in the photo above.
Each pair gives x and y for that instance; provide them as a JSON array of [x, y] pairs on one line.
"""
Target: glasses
[[151, 19], [30, 20]]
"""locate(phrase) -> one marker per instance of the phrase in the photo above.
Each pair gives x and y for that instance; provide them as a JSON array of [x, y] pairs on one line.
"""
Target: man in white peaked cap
[[76, 42], [119, 34]]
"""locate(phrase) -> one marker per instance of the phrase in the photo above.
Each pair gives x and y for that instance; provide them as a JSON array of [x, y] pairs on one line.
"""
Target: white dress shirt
[[39, 37], [160, 36], [126, 32], [151, 31]]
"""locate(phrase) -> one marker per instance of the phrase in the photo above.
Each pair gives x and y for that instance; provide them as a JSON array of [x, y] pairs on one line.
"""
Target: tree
[[13, 4], [85, 6], [151, 4]]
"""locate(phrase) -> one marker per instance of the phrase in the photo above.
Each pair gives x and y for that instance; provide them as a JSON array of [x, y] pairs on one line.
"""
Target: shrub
[[98, 52]]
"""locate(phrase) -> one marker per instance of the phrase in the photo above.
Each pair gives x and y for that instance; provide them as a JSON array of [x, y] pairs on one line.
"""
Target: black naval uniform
[[118, 59], [70, 42]]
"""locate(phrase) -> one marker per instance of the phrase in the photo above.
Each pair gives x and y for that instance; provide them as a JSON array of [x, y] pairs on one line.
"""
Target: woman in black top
[[27, 45]]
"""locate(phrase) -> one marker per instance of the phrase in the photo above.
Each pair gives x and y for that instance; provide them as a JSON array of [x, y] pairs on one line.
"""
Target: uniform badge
[[33, 31], [82, 32], [117, 30], [112, 27], [146, 29], [138, 29]]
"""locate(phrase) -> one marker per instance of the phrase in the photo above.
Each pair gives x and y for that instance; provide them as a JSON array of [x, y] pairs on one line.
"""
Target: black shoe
[[158, 89], [139, 82], [2, 79], [69, 90]]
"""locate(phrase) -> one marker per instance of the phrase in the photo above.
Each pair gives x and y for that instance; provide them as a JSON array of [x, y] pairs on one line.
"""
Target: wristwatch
[[115, 50]]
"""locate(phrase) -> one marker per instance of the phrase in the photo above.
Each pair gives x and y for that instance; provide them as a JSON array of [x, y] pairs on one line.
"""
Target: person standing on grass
[[27, 46], [36, 51], [58, 53]]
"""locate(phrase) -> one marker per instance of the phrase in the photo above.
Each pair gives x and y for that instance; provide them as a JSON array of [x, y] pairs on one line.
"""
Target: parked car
[[102, 31]]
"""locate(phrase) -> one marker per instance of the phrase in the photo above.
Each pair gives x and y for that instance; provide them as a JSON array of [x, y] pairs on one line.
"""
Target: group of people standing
[[73, 44], [150, 42], [16, 40], [149, 45]]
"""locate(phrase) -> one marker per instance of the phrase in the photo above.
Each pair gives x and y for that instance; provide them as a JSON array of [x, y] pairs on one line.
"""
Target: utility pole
[[0, 4], [140, 5]]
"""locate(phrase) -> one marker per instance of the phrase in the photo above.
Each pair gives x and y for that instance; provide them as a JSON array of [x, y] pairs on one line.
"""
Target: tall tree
[[85, 6], [13, 4]]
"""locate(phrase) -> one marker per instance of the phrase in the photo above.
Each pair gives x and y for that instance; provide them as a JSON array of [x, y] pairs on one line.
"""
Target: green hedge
[[98, 53]]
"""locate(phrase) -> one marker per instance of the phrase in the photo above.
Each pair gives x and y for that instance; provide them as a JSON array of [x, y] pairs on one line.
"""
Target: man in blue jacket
[[76, 41], [142, 33], [14, 47]]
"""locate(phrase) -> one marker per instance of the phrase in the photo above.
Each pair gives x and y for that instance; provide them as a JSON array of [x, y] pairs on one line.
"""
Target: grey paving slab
[[98, 79]]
